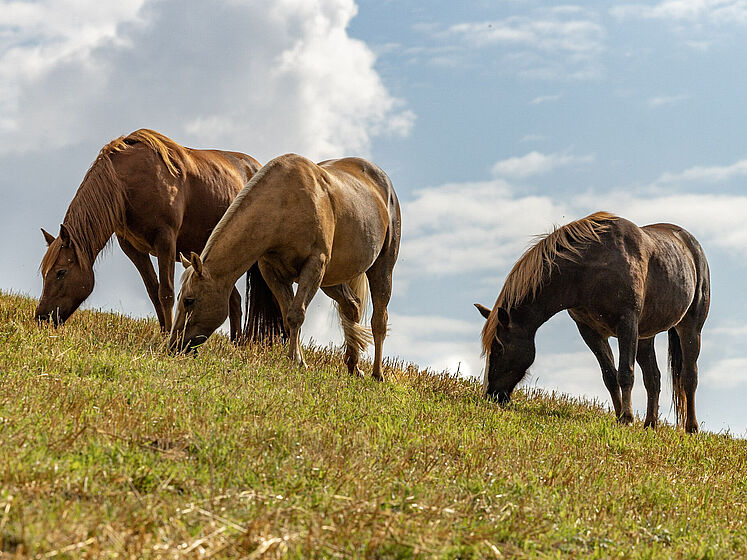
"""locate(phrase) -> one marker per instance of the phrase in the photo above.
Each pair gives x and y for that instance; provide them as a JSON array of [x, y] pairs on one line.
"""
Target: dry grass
[[109, 448]]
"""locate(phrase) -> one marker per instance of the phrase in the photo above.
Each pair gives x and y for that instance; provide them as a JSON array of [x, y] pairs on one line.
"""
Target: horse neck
[[237, 246], [97, 209], [558, 292]]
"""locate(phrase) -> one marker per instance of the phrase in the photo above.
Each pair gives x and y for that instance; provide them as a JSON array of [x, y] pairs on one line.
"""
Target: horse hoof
[[692, 428], [357, 372], [625, 419]]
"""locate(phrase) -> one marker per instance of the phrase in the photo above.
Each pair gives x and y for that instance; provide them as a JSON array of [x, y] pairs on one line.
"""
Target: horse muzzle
[[55, 317]]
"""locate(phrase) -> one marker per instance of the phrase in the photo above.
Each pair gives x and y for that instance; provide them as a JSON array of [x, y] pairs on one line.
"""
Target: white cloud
[[690, 11], [536, 163], [661, 100], [706, 174], [726, 374], [570, 36], [266, 77], [545, 99], [551, 44]]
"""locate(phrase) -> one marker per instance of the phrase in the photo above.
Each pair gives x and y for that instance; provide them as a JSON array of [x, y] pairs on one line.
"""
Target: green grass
[[109, 448]]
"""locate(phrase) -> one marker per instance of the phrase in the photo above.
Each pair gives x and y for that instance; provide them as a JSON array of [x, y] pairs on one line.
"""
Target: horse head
[[68, 278], [511, 352], [201, 308]]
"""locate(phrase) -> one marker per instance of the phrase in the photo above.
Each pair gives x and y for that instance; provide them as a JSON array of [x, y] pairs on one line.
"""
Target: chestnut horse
[[333, 225], [159, 198], [615, 279]]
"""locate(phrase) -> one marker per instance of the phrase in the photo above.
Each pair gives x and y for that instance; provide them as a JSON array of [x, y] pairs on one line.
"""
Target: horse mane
[[98, 207], [530, 271]]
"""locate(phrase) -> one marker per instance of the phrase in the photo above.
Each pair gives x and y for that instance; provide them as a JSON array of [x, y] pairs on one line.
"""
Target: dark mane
[[98, 208], [527, 275]]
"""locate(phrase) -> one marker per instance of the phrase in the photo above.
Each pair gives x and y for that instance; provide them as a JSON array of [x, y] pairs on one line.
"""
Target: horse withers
[[159, 198], [333, 225], [615, 279]]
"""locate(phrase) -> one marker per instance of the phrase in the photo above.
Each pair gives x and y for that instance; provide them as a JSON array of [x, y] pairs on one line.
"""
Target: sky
[[495, 120]]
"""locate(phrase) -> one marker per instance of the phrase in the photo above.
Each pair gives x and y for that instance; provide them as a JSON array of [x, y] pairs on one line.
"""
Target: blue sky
[[495, 120]]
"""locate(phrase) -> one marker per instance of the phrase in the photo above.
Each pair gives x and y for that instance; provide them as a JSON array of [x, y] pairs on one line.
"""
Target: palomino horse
[[615, 279], [159, 198], [334, 225]]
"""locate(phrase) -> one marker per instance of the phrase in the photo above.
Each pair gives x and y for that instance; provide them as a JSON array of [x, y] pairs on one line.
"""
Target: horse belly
[[357, 243], [670, 290]]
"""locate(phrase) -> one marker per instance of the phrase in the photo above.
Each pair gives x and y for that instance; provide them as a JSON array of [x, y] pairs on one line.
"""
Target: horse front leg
[[148, 274], [600, 347], [309, 281], [627, 338], [165, 249]]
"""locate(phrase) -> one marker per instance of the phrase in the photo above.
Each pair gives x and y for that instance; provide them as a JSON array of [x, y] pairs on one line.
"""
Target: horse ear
[[196, 263], [185, 262], [484, 311], [48, 237], [503, 317], [64, 236]]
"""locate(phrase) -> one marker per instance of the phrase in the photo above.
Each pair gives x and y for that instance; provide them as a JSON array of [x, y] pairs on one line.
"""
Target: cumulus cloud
[[266, 76], [536, 163]]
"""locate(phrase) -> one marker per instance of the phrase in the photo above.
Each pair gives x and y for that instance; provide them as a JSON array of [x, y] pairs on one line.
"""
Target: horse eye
[[61, 273], [189, 301]]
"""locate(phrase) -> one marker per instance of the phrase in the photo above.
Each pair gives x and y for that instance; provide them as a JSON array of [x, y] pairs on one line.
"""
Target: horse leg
[[309, 281], [627, 338], [600, 347], [380, 284], [646, 358], [350, 312], [165, 249], [147, 273], [690, 344], [234, 314]]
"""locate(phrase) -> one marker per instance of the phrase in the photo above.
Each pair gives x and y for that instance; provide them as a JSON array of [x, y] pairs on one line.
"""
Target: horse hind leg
[[380, 284], [646, 358], [234, 315], [687, 380], [357, 337]]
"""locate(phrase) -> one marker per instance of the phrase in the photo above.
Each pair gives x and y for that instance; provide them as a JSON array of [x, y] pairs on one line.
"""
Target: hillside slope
[[111, 448]]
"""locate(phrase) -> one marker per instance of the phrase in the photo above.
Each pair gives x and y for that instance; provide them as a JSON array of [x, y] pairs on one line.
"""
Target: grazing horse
[[159, 198], [333, 225], [615, 279]]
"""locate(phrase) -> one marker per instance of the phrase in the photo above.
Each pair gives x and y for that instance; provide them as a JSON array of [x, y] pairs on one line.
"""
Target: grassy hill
[[111, 448]]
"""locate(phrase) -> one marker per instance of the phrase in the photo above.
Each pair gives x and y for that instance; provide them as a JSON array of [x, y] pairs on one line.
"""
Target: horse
[[159, 198], [615, 279], [334, 225]]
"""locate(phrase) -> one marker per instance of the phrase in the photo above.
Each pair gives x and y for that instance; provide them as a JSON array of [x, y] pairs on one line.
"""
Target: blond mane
[[98, 208], [533, 267]]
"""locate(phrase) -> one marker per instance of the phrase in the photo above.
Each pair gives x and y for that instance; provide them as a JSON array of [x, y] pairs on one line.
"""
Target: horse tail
[[263, 319], [675, 370], [355, 333]]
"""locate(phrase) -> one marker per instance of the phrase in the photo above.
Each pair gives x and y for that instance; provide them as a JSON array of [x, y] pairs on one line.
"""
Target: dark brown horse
[[615, 279], [159, 198]]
